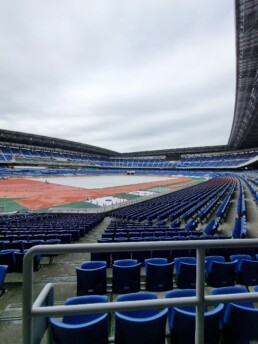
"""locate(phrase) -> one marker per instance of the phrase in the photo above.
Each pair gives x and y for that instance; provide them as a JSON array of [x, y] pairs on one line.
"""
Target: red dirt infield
[[35, 195]]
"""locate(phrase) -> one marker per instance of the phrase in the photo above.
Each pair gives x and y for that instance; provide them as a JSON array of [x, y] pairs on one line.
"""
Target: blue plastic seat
[[179, 260], [248, 272], [210, 259], [7, 257], [126, 276], [182, 326], [145, 326], [239, 258], [3, 271], [186, 277], [177, 293], [76, 329], [155, 260], [240, 325], [232, 290], [16, 244], [91, 278], [222, 274], [185, 272], [159, 274]]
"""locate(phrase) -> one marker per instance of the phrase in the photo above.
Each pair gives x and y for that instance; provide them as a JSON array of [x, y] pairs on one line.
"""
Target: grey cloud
[[130, 75]]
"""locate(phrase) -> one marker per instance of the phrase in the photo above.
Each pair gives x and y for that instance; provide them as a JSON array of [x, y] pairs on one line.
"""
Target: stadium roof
[[53, 143], [244, 132]]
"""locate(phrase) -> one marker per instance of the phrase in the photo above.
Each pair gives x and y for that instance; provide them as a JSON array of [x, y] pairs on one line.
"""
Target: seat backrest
[[93, 265], [126, 278], [232, 290], [210, 259], [78, 300], [155, 261], [3, 271], [239, 324], [159, 277], [177, 294], [91, 281], [186, 277], [138, 297], [125, 262], [182, 326], [142, 326], [248, 272], [239, 258], [96, 331], [179, 260], [222, 274]]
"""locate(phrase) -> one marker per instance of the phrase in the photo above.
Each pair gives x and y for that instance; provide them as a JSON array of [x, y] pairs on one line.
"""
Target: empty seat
[[76, 329], [221, 274], [231, 290], [145, 326], [248, 272], [185, 272], [240, 325], [126, 276], [177, 294], [159, 274], [7, 257], [182, 326], [91, 278], [3, 271], [210, 259]]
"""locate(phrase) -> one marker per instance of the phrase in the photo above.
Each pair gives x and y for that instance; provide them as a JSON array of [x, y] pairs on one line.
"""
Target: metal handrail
[[41, 309]]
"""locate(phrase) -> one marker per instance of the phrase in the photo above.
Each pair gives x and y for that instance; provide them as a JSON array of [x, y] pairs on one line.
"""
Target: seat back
[[239, 258], [222, 274], [126, 276], [95, 332], [186, 277], [83, 318], [157, 260], [248, 272], [125, 262], [177, 294], [143, 295], [210, 259], [182, 326], [179, 260], [142, 326], [159, 277], [7, 257], [3, 271], [231, 290], [239, 324], [91, 279]]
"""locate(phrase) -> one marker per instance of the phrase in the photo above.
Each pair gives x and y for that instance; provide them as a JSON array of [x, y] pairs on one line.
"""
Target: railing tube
[[200, 283], [27, 298]]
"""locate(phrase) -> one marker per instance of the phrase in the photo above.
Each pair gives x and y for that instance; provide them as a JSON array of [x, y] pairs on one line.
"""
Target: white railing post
[[27, 299], [200, 283]]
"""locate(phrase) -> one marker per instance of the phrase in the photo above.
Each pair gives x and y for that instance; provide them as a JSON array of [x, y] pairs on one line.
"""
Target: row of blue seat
[[241, 269], [239, 230], [13, 259], [234, 323], [177, 204]]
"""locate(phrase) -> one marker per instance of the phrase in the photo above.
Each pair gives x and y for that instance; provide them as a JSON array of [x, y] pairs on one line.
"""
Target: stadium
[[82, 225]]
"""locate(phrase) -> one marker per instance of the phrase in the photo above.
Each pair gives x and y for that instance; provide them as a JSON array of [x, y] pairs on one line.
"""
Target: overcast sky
[[126, 75]]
